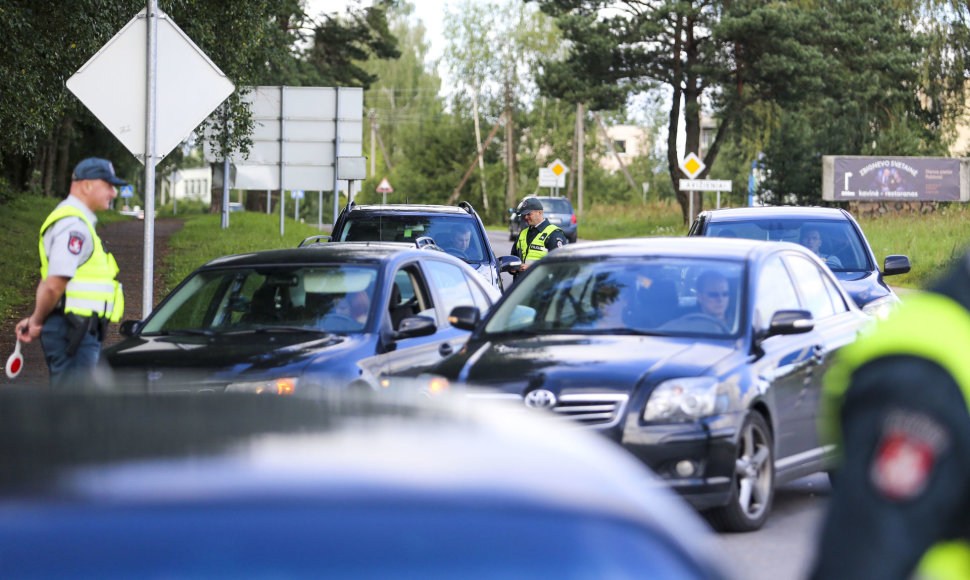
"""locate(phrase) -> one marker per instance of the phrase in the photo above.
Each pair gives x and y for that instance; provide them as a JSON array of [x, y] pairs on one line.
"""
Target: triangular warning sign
[[385, 186]]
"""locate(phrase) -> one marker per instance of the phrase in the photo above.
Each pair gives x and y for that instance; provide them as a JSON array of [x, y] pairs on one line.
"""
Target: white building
[[193, 184]]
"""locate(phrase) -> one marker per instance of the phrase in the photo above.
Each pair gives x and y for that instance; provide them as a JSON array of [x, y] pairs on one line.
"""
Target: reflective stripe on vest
[[93, 289], [537, 249], [930, 326]]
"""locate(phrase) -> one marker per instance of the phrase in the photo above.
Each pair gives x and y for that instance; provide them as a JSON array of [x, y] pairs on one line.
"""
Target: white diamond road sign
[[189, 86]]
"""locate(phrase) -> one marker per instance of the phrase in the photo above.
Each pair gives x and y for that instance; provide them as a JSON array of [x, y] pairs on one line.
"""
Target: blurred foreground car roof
[[103, 486]]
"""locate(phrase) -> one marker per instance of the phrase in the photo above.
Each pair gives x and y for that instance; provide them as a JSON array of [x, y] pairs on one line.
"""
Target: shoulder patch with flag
[[906, 454], [75, 243]]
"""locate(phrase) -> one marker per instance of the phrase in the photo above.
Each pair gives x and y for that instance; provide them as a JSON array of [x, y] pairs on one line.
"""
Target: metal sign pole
[[150, 103], [282, 159], [336, 154]]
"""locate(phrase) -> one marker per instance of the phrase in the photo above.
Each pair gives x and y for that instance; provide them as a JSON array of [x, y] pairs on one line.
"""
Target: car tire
[[753, 485], [571, 240]]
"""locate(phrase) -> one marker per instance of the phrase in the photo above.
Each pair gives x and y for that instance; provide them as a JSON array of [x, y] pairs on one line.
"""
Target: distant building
[[193, 184], [629, 142]]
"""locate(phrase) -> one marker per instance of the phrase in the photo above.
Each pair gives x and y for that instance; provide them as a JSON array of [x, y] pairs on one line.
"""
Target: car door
[[786, 364], [835, 326]]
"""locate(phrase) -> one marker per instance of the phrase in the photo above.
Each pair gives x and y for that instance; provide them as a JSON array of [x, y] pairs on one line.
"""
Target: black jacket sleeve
[[868, 531]]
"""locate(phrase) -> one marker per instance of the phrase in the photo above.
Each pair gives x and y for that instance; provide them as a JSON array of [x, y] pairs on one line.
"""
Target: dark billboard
[[891, 179]]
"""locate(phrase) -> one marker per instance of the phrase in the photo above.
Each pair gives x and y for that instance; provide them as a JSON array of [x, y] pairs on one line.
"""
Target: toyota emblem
[[540, 399]]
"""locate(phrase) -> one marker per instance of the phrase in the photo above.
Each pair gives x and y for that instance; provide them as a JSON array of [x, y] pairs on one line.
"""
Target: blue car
[[301, 321], [240, 486], [841, 243]]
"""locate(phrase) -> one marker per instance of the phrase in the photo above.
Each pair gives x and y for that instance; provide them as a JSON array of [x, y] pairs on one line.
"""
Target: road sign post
[[150, 118], [384, 188]]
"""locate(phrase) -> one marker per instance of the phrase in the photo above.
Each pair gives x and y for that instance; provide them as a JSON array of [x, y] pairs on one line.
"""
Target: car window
[[603, 296], [458, 235], [333, 298], [775, 292], [409, 296], [556, 205], [451, 284], [838, 301], [811, 287]]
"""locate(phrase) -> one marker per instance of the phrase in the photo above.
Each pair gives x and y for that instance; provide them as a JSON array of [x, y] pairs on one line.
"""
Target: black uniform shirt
[[905, 480]]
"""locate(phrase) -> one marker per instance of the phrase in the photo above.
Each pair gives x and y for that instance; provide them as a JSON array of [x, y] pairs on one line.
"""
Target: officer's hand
[[26, 331], [524, 267]]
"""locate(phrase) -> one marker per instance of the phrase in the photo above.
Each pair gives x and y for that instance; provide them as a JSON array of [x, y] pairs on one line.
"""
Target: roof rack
[[313, 240], [467, 207]]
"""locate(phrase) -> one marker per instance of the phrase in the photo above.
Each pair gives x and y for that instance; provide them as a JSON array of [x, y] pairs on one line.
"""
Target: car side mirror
[[790, 322], [128, 328], [895, 264], [464, 317], [414, 326], [509, 264]]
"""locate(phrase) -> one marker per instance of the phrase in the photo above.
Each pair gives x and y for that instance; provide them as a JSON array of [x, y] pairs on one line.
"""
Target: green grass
[[202, 238], [603, 222]]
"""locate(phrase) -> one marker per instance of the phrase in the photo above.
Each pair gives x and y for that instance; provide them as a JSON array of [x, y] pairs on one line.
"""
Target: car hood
[[224, 357], [863, 287], [581, 363]]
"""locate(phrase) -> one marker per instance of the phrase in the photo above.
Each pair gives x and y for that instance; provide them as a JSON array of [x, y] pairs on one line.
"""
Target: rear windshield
[[836, 242], [556, 205], [457, 235]]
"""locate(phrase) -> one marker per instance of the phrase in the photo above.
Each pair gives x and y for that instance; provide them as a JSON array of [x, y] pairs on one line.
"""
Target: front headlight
[[881, 307], [280, 386], [686, 399]]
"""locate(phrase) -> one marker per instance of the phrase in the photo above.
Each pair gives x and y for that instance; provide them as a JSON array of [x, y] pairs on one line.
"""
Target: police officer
[[539, 238], [897, 402], [78, 294]]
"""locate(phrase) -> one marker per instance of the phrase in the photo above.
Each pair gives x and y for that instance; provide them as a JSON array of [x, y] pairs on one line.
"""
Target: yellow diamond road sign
[[692, 165], [558, 167]]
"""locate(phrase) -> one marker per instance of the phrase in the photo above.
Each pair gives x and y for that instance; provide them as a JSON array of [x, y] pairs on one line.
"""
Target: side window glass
[[838, 303], [775, 292], [478, 295], [451, 284], [811, 287], [408, 298]]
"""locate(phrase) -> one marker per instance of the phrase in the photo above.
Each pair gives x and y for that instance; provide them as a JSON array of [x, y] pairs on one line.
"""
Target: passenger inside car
[[811, 238], [715, 310]]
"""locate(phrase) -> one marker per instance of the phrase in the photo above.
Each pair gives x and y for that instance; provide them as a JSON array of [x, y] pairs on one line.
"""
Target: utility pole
[[478, 142], [580, 143], [373, 132]]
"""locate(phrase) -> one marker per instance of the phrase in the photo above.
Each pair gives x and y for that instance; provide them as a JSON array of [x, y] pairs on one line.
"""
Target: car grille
[[592, 410]]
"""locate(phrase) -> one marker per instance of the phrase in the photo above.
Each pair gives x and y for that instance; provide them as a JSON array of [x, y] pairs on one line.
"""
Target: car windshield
[[326, 298], [661, 295], [835, 241], [456, 235]]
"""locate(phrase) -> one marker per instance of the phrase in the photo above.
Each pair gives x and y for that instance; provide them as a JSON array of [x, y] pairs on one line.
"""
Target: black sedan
[[702, 357], [301, 320], [832, 233]]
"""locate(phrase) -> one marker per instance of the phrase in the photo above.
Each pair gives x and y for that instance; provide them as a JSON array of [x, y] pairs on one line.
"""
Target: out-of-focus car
[[703, 357], [301, 320], [850, 256], [250, 487], [456, 229], [559, 212]]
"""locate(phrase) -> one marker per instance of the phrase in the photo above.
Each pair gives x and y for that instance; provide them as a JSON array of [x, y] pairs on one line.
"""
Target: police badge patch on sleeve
[[906, 453], [75, 242]]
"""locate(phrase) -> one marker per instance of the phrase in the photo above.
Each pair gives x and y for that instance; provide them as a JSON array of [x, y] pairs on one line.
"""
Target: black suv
[[456, 229]]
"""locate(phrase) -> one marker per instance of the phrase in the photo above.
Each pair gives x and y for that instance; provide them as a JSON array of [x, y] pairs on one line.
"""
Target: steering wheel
[[457, 253], [339, 322], [704, 319]]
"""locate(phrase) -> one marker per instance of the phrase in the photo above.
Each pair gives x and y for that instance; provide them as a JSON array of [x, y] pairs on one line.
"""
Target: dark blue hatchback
[[832, 233]]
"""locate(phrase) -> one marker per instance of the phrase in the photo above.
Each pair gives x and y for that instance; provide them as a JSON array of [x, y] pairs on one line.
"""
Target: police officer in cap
[[897, 404], [78, 293], [539, 238]]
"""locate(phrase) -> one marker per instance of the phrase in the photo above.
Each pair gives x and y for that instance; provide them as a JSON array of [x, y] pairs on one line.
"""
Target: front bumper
[[697, 460]]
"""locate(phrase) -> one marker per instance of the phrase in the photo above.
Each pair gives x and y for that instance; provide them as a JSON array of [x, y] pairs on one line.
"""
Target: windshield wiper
[[281, 328], [182, 332]]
